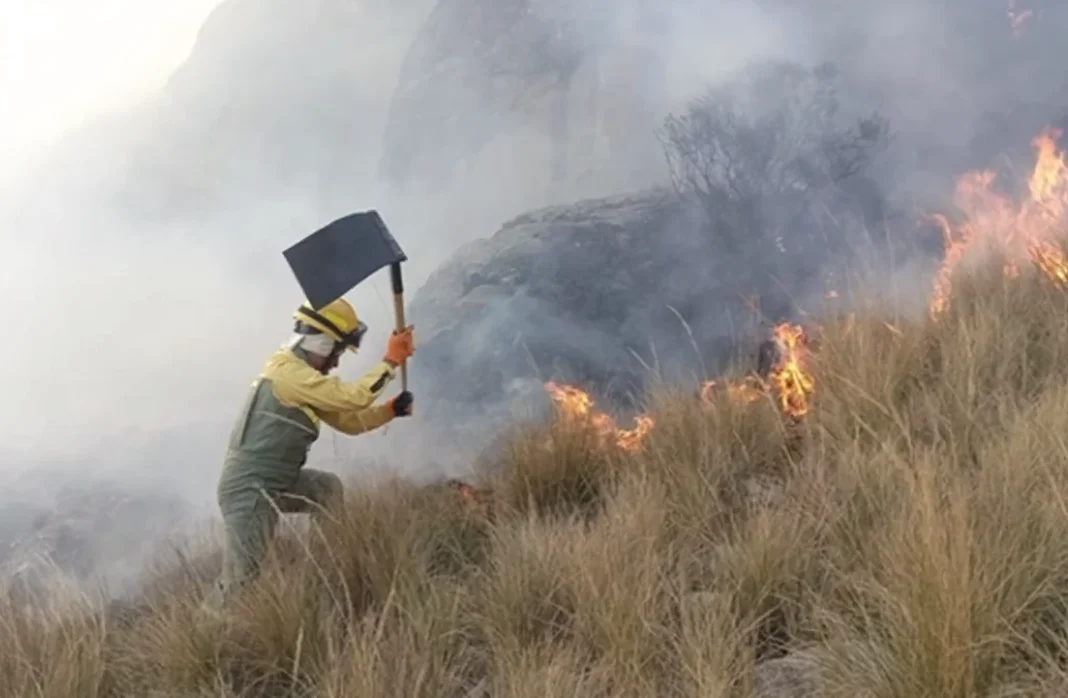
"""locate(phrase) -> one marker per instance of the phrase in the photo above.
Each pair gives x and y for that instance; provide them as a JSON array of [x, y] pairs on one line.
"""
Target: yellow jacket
[[347, 407]]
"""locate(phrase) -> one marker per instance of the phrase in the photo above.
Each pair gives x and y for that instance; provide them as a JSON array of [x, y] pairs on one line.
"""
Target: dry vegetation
[[908, 538]]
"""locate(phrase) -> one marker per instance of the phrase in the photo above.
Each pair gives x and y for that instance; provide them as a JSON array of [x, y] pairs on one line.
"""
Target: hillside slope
[[894, 528], [906, 537]]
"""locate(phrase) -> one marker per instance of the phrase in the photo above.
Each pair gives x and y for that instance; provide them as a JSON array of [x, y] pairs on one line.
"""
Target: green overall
[[263, 476]]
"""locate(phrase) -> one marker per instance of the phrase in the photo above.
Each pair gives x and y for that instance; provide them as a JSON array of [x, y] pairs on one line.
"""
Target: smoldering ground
[[143, 253]]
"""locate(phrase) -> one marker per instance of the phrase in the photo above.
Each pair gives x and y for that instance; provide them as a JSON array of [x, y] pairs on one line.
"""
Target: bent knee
[[332, 487]]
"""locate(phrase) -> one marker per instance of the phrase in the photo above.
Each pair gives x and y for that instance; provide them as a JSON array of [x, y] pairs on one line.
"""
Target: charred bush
[[777, 167]]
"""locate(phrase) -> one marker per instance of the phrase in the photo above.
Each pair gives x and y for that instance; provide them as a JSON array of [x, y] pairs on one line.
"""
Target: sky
[[63, 62]]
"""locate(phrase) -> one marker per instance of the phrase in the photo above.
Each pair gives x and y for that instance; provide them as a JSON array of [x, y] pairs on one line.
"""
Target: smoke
[[142, 252]]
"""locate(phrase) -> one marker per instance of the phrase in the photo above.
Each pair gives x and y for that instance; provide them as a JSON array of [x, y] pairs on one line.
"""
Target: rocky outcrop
[[603, 292], [792, 676], [550, 293], [572, 86]]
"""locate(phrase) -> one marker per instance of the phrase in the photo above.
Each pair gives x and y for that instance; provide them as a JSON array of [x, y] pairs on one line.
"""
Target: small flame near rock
[[787, 377], [782, 370], [577, 406]]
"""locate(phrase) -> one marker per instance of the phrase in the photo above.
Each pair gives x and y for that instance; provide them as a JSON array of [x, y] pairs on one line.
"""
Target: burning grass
[[899, 531], [906, 538], [1028, 231]]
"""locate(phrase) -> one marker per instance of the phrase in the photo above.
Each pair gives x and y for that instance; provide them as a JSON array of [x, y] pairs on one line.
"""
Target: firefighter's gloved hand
[[401, 346], [402, 404]]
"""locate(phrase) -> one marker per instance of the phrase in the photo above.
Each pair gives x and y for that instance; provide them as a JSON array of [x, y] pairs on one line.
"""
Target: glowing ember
[[467, 492], [577, 405], [474, 499], [748, 390], [1026, 232]]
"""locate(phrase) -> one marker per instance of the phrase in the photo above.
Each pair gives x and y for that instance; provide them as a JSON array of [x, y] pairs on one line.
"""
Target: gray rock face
[[597, 293], [572, 84], [792, 676]]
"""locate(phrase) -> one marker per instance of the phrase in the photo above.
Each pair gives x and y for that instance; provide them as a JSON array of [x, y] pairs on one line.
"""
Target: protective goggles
[[348, 339]]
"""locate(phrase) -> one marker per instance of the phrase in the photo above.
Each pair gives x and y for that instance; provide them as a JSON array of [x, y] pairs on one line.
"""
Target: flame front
[[577, 405], [1025, 232]]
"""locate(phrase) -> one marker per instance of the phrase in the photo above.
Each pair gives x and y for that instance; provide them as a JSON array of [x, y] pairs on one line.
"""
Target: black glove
[[402, 404]]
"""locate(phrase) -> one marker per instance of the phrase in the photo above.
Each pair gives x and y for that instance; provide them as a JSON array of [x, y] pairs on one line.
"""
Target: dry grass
[[909, 539]]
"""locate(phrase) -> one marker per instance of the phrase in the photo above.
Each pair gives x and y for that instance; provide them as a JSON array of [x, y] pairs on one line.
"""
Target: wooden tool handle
[[398, 312]]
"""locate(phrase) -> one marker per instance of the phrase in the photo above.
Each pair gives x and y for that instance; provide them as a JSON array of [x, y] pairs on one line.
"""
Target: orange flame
[[1023, 232], [1050, 259], [577, 405], [631, 439], [467, 492], [793, 381], [743, 392], [790, 379], [473, 498]]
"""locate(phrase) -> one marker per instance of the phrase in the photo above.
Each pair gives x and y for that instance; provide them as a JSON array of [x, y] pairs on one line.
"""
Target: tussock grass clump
[[907, 538]]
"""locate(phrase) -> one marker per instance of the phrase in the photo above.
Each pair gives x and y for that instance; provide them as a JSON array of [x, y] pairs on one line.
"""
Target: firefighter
[[263, 474]]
